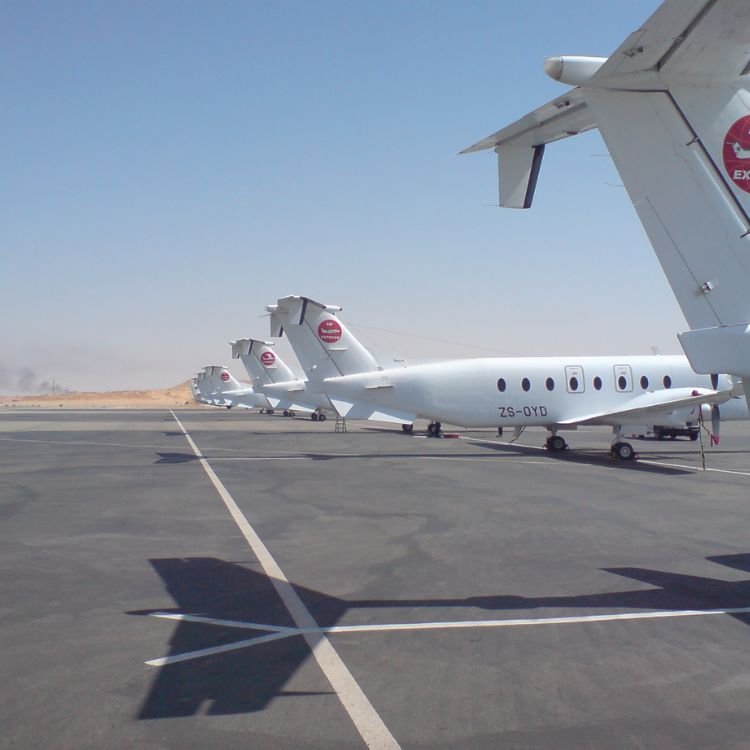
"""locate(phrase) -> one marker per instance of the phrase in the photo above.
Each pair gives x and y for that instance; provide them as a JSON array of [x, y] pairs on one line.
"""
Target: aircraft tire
[[286, 412], [623, 451], [408, 428], [322, 417], [556, 444], [314, 416]]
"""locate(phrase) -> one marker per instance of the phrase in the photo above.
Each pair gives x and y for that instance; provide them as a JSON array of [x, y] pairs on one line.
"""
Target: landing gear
[[623, 451], [318, 416], [620, 449], [407, 428], [314, 416], [322, 417], [286, 412], [556, 444], [434, 429]]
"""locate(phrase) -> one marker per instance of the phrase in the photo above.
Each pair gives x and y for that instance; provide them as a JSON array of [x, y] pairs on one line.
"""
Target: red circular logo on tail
[[329, 331], [268, 358], [737, 153], [225, 376]]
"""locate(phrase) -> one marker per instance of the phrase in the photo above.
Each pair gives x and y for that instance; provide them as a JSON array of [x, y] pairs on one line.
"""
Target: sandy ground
[[176, 396]]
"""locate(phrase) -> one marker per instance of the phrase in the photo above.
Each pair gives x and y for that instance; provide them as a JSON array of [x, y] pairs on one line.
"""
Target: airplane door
[[574, 379], [623, 378]]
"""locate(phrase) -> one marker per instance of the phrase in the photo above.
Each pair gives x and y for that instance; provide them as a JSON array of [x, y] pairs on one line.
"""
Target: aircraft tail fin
[[672, 106], [263, 364], [217, 380], [324, 346]]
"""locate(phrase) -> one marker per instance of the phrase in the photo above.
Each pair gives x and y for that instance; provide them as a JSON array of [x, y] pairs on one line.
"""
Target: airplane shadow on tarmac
[[248, 679], [590, 457], [488, 451]]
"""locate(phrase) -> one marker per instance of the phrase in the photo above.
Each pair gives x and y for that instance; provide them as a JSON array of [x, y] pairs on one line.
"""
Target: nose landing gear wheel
[[623, 451]]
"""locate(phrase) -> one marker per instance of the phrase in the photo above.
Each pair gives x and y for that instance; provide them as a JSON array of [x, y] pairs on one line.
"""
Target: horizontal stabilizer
[[520, 146], [362, 410], [240, 348], [684, 39]]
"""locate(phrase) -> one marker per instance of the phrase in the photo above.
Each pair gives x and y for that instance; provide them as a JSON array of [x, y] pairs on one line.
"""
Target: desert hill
[[176, 396]]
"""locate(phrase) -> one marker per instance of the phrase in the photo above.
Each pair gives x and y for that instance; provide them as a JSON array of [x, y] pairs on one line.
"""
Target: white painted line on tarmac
[[650, 462], [277, 632], [694, 468], [408, 457], [366, 719]]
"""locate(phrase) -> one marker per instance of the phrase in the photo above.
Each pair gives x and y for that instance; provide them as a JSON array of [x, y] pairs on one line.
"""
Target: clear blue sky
[[169, 168]]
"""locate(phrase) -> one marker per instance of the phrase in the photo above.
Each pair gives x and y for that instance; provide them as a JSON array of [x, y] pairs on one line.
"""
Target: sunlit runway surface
[[230, 580]]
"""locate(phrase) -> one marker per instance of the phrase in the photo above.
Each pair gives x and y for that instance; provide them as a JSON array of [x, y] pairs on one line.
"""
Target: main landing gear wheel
[[623, 451], [556, 444], [322, 417], [286, 412], [314, 416], [434, 429], [408, 428]]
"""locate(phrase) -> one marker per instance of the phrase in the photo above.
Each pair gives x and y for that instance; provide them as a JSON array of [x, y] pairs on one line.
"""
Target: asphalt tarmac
[[275, 584]]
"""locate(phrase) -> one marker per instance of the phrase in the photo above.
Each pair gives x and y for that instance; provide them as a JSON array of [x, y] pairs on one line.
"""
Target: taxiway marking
[[366, 719], [277, 632]]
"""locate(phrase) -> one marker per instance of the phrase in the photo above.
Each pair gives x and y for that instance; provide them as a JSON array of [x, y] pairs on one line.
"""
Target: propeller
[[715, 424], [715, 412]]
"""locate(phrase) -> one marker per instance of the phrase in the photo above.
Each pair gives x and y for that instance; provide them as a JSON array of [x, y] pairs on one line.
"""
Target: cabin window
[[644, 382], [667, 381], [526, 384], [623, 378], [597, 383], [575, 379], [550, 383], [501, 385]]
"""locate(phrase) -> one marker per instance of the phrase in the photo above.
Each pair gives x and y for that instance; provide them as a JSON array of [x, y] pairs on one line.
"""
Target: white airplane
[[554, 392], [273, 379], [217, 386], [673, 107], [326, 348], [203, 390]]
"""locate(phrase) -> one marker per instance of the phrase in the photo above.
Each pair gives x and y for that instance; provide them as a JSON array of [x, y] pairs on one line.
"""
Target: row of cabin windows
[[574, 385]]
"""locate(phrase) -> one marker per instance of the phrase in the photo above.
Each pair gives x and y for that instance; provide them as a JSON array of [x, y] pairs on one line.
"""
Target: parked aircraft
[[218, 387], [274, 379], [553, 392], [672, 106]]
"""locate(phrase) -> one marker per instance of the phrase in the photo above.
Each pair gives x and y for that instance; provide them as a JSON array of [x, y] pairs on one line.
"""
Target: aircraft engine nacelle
[[573, 70]]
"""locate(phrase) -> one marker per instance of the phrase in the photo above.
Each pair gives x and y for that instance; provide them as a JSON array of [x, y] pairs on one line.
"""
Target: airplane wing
[[686, 39], [520, 146], [651, 404]]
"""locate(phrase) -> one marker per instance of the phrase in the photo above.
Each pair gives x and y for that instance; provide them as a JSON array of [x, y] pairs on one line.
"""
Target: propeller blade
[[715, 424]]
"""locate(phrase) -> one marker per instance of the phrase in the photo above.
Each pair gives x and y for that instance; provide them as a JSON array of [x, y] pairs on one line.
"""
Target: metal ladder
[[340, 424]]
